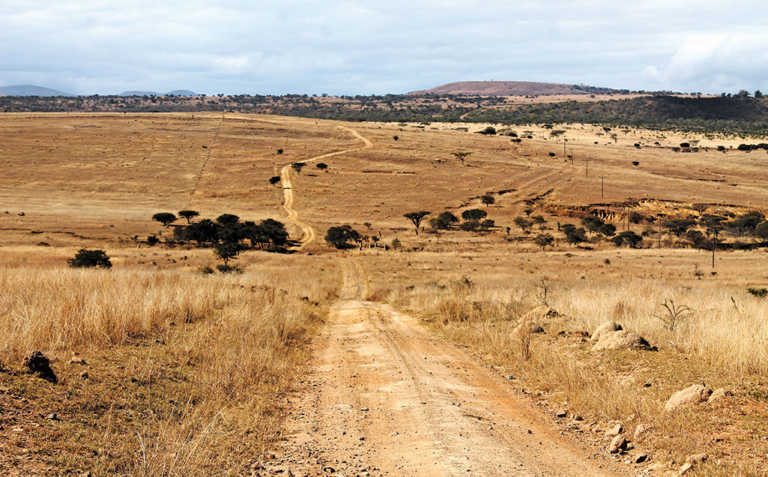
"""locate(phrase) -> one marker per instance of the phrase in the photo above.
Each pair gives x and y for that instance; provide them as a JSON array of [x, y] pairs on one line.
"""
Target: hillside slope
[[30, 90], [512, 88]]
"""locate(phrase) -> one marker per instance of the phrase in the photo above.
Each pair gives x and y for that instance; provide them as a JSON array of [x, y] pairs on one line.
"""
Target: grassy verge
[[721, 342], [185, 374]]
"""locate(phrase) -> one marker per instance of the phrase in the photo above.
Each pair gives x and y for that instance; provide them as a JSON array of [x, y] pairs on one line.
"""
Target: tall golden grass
[[721, 342], [233, 346]]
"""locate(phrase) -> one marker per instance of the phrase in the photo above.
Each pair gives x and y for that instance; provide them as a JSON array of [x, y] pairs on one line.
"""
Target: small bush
[[90, 258], [758, 292]]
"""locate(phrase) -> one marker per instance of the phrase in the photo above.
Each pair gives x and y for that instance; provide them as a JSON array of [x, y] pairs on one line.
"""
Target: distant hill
[[138, 93], [30, 90], [181, 92], [513, 88]]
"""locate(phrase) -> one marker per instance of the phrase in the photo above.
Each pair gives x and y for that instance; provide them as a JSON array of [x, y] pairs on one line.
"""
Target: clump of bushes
[[85, 258]]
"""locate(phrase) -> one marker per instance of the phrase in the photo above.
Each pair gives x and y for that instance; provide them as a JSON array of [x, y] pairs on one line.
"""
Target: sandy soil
[[387, 398]]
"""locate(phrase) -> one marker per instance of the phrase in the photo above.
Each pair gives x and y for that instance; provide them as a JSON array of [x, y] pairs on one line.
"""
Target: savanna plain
[[549, 295]]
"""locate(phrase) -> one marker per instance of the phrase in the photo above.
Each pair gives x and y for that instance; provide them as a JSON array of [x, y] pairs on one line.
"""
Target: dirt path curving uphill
[[385, 397], [308, 233]]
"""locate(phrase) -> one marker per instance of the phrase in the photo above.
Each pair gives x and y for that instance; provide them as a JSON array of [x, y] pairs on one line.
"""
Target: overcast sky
[[381, 46]]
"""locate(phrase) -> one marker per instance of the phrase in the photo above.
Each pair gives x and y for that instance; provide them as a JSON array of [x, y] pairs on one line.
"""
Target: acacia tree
[[322, 166], [487, 199], [416, 218], [714, 225], [274, 180], [189, 215], [165, 218], [297, 166], [474, 214], [227, 251], [340, 236]]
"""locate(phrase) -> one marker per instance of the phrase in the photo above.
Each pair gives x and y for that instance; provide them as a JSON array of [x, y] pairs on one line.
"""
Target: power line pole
[[602, 187]]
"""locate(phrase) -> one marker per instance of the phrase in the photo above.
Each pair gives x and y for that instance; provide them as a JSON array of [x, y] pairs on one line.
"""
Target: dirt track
[[387, 398], [308, 233]]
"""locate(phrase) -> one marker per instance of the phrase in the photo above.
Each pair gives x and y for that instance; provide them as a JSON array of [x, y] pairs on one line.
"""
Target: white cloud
[[365, 46]]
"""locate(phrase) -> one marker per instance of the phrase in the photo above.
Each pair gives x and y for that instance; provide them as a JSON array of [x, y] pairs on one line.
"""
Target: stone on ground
[[694, 394]]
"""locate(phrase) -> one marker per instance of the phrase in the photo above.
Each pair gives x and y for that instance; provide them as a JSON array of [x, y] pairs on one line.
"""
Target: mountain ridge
[[513, 88]]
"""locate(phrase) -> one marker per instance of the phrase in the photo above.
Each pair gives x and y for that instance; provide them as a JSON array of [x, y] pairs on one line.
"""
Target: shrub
[[445, 220], [542, 240], [487, 199], [575, 235], [274, 180], [474, 214], [340, 236], [758, 292], [90, 258], [629, 238], [489, 131]]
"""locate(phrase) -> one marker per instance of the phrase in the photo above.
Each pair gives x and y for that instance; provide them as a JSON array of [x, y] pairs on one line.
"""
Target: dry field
[[188, 373]]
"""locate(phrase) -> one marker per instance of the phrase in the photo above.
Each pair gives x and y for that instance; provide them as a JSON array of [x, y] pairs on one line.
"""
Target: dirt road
[[387, 398], [307, 232]]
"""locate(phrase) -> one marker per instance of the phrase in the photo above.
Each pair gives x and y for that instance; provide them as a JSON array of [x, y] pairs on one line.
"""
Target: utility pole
[[602, 187]]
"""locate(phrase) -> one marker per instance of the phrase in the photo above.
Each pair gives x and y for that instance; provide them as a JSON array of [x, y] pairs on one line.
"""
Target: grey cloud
[[350, 47]]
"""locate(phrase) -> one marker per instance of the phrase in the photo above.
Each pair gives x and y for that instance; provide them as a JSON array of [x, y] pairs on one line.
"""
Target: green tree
[[445, 220], [629, 238], [227, 251], [416, 218], [340, 236], [575, 235], [165, 218], [762, 230], [474, 214], [85, 258], [678, 227], [189, 215], [227, 219], [523, 223], [543, 240]]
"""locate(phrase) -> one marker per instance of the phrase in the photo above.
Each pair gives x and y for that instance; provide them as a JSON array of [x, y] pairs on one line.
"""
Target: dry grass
[[717, 344], [187, 373]]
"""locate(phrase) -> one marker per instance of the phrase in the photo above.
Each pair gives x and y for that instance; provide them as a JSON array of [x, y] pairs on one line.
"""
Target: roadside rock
[[605, 328], [621, 340], [640, 430], [615, 430], [618, 445], [37, 363], [720, 393], [694, 394]]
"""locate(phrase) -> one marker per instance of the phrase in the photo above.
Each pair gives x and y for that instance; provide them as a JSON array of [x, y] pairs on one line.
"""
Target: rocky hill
[[513, 88]]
